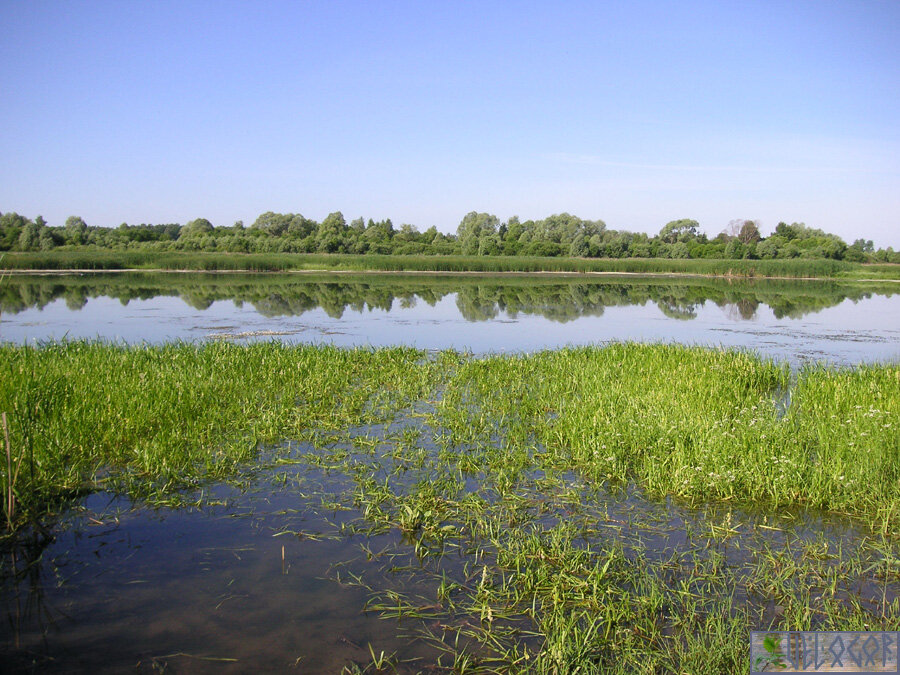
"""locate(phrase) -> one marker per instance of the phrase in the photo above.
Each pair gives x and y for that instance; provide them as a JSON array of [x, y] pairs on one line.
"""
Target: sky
[[635, 113]]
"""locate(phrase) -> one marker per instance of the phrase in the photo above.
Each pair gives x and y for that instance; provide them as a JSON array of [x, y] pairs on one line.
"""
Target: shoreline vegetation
[[86, 261], [478, 234], [495, 496]]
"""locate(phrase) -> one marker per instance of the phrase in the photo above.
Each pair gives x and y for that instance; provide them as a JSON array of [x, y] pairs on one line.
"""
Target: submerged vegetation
[[495, 493]]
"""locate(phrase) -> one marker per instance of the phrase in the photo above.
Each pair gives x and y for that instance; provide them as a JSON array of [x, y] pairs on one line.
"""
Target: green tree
[[860, 250], [196, 230], [679, 230], [768, 248], [277, 224], [11, 225], [76, 231], [473, 228], [29, 238], [789, 232], [734, 250], [330, 235], [580, 246]]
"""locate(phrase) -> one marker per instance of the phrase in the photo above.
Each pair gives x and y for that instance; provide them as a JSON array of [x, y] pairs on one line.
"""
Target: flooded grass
[[626, 509], [150, 421]]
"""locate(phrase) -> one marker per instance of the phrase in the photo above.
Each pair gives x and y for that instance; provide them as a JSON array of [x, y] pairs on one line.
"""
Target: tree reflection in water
[[478, 297]]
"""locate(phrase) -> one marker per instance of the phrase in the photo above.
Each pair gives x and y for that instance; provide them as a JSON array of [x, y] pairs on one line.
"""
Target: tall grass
[[113, 260], [697, 424]]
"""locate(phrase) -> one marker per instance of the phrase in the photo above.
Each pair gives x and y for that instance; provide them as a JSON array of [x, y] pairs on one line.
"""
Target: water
[[230, 586], [798, 321], [260, 577]]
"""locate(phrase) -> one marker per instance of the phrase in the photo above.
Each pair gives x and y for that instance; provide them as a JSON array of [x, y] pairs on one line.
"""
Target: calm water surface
[[795, 321]]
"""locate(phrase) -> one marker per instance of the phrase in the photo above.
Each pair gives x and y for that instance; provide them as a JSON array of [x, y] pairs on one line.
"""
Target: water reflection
[[796, 321], [478, 298]]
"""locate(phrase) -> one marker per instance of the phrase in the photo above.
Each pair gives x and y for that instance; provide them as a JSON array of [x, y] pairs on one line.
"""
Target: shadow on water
[[297, 561]]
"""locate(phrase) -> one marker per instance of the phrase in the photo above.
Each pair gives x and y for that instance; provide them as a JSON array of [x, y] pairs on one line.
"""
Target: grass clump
[[698, 424], [151, 420]]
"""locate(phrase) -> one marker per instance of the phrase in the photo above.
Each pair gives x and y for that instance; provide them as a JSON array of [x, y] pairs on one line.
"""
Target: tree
[[679, 230], [272, 224], [299, 227], [11, 224], [76, 230], [679, 250], [580, 246], [749, 232], [473, 228], [768, 248], [734, 250], [46, 241], [29, 238], [330, 235], [196, 228], [407, 233]]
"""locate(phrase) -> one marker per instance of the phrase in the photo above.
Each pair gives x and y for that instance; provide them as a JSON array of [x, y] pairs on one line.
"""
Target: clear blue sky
[[636, 113]]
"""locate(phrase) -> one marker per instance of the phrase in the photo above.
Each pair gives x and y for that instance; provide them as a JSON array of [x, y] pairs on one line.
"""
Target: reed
[[270, 262]]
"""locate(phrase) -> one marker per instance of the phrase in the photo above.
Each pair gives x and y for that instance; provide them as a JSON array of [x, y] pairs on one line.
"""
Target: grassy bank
[[114, 260]]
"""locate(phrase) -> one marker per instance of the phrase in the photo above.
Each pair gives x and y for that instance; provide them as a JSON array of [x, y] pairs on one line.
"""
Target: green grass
[[700, 424], [510, 509], [514, 561], [149, 421], [113, 260], [694, 423]]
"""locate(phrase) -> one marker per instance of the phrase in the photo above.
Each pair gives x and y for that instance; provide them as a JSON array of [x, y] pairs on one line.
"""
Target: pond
[[796, 321], [285, 567]]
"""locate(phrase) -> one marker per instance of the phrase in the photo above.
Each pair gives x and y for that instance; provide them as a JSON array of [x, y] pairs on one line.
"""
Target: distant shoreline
[[91, 262], [501, 273]]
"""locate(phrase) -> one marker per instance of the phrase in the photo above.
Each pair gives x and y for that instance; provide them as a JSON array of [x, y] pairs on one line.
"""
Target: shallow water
[[230, 586], [797, 321], [261, 576]]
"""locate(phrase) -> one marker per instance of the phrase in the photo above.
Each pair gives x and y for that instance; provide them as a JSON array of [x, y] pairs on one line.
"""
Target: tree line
[[477, 234]]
